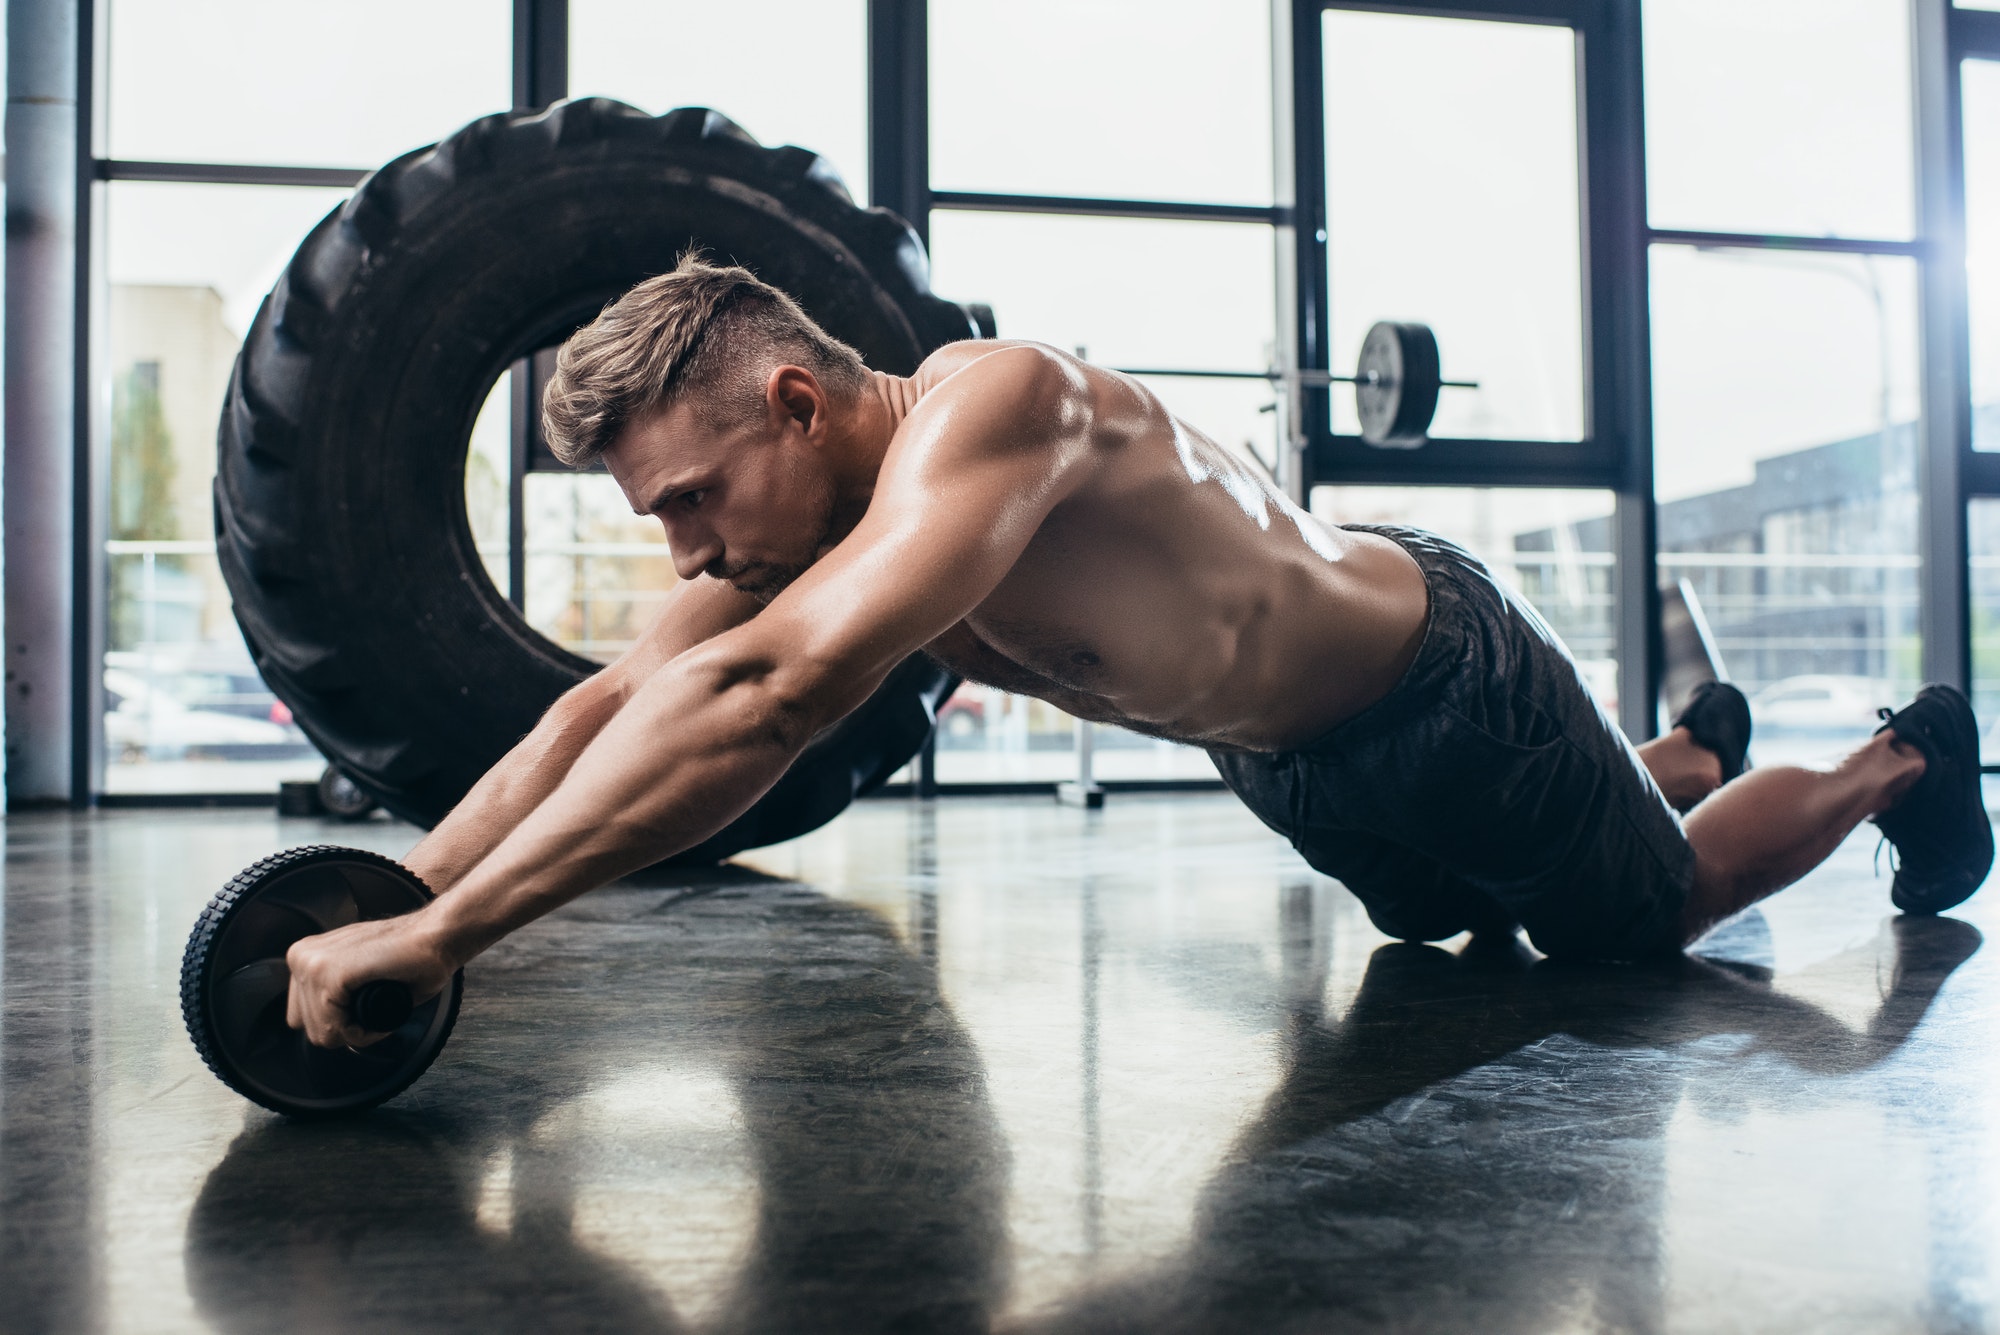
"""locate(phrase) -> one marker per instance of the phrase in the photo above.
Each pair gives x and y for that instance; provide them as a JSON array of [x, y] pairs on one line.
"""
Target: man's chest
[[1039, 659]]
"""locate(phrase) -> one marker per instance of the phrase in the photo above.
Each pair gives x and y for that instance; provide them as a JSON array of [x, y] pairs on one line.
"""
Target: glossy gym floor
[[996, 1064]]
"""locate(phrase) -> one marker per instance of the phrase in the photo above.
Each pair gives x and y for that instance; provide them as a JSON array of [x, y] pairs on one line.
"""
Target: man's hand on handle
[[327, 970]]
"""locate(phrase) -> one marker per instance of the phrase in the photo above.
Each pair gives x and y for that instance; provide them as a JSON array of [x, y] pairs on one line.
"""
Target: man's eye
[[692, 498]]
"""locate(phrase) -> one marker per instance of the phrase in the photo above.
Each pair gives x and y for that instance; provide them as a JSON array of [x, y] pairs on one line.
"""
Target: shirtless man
[[1047, 527]]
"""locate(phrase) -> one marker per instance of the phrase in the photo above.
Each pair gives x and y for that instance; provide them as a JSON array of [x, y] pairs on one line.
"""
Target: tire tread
[[269, 523]]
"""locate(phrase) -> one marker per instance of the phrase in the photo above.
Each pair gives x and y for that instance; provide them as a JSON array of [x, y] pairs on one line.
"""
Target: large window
[[1094, 99], [1790, 117], [592, 573], [345, 85], [1984, 520], [254, 91], [1769, 326], [1466, 217], [1785, 379], [1469, 216], [1110, 213], [185, 269], [239, 85], [1554, 547], [1981, 83], [789, 72], [1785, 385]]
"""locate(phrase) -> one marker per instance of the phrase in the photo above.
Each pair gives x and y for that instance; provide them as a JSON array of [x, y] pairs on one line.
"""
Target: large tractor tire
[[340, 487]]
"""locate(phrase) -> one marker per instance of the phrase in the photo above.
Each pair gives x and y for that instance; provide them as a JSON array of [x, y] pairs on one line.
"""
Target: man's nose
[[693, 551]]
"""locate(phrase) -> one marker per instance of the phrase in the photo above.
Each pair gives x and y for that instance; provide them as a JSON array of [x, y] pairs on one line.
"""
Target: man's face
[[752, 504]]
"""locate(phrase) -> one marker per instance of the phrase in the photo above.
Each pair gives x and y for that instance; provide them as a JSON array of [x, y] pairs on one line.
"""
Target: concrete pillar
[[44, 672]]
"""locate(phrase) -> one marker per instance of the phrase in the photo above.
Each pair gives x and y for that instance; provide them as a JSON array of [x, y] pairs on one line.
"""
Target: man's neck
[[865, 426], [863, 429]]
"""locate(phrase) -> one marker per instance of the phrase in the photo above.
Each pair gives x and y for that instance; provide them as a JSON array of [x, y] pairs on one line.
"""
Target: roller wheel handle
[[381, 1007]]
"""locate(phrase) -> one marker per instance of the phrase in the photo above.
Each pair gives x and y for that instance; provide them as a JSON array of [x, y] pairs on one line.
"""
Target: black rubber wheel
[[339, 493], [234, 981]]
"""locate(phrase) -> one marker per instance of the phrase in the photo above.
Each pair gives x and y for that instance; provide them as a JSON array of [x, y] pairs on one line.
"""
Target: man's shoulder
[[994, 360], [993, 397]]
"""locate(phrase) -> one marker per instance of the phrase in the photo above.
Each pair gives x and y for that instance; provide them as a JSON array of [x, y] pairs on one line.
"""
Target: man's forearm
[[512, 789], [694, 611], [692, 750]]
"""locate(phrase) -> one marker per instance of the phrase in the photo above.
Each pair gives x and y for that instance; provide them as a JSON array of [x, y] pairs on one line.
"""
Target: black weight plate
[[234, 982], [343, 797], [1396, 384]]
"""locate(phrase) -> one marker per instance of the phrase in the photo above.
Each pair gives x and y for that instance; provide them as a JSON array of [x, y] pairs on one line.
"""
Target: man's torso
[[1174, 592]]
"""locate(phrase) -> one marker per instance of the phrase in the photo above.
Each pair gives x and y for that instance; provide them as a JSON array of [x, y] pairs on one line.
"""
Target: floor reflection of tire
[[481, 1201]]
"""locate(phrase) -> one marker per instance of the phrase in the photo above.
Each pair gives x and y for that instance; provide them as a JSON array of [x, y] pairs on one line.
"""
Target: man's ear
[[795, 393]]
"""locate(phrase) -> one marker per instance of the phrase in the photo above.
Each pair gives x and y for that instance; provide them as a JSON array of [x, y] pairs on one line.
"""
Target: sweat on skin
[[1030, 521], [1027, 519]]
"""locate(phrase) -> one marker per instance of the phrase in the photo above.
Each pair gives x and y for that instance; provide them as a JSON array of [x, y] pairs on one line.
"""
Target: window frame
[[1606, 219], [1616, 452], [1971, 34], [1616, 236]]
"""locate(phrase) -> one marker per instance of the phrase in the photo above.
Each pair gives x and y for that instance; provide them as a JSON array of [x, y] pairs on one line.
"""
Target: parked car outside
[[167, 710], [1820, 703], [962, 720]]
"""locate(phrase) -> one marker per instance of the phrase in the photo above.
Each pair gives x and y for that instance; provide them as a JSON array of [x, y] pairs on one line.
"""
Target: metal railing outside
[[1573, 588]]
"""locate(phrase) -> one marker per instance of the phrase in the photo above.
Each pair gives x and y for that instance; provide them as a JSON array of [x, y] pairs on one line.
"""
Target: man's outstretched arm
[[695, 611], [973, 472]]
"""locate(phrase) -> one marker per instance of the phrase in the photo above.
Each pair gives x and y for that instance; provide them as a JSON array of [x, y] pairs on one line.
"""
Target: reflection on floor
[[1000, 1064]]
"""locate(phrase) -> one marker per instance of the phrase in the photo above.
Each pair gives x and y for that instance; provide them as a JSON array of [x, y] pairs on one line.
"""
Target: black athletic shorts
[[1487, 790]]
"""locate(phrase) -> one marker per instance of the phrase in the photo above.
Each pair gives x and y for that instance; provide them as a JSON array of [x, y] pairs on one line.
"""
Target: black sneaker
[[1718, 718], [1943, 838]]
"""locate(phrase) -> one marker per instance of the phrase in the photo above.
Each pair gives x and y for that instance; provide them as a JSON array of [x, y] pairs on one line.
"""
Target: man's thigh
[[1468, 835], [1407, 895], [1503, 774]]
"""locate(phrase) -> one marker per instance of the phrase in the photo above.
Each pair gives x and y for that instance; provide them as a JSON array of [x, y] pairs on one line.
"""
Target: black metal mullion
[[89, 480], [1979, 473], [1178, 210], [521, 435], [1838, 245], [1974, 34], [1969, 35], [1445, 462], [899, 167], [541, 76], [541, 53], [1944, 607], [1308, 242], [226, 173], [1620, 312], [1559, 13]]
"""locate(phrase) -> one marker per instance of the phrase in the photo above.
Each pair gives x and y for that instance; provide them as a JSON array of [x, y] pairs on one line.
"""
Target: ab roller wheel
[[234, 982]]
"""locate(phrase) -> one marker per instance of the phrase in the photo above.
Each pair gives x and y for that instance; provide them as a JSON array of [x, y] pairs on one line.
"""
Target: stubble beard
[[765, 580]]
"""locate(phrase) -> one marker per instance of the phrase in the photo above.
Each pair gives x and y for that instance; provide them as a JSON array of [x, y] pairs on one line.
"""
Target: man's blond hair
[[707, 333]]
